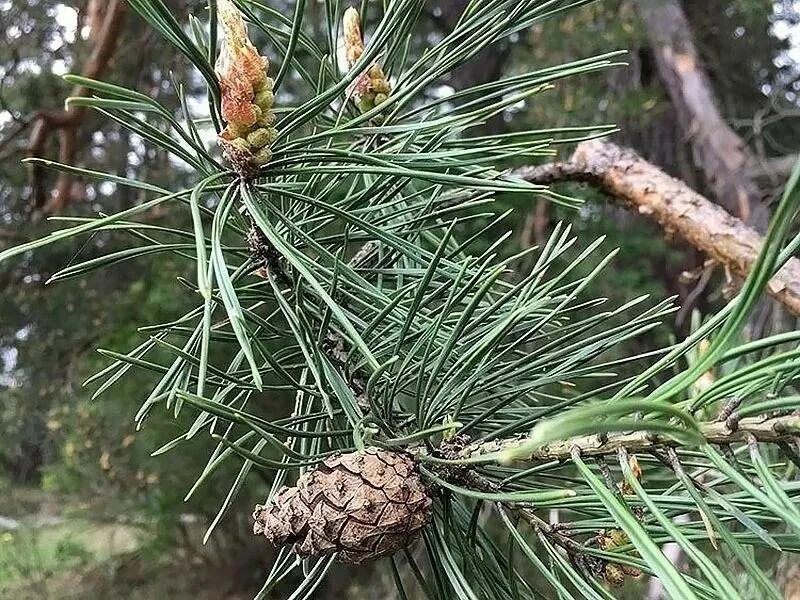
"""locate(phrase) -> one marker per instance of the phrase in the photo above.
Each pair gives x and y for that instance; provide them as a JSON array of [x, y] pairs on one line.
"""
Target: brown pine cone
[[363, 505]]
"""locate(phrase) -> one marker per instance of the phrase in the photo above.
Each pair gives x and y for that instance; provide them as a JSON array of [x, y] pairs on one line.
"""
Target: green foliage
[[33, 554], [367, 315]]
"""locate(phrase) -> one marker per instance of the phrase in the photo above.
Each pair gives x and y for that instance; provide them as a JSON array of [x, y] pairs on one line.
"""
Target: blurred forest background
[[85, 511]]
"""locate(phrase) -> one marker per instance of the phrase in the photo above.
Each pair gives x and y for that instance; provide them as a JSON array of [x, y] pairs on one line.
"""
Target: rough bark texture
[[106, 20], [718, 151], [639, 185], [361, 505], [777, 429]]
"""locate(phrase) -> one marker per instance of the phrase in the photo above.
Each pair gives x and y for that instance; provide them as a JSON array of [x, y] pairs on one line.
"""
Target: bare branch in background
[[641, 186], [106, 20], [772, 170]]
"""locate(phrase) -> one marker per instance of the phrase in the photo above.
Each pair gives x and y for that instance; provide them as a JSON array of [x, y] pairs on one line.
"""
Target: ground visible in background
[[55, 548]]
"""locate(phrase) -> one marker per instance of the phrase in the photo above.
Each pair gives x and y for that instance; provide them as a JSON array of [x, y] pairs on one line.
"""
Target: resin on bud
[[371, 87], [247, 95]]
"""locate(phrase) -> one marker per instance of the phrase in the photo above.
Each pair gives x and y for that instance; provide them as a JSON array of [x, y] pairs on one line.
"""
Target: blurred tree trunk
[[718, 152], [788, 577], [105, 20], [487, 65]]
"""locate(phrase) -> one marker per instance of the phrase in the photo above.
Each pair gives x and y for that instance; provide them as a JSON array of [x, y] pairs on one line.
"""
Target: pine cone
[[363, 505]]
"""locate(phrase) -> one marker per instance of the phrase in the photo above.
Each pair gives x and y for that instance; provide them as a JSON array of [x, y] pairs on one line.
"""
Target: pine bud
[[239, 67], [241, 144], [614, 575], [265, 99], [262, 157], [267, 119], [380, 86], [268, 83], [370, 87], [353, 42], [247, 96], [361, 505], [365, 104], [259, 138]]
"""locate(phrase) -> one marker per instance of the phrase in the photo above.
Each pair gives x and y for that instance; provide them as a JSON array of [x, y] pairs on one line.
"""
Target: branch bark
[[721, 155], [107, 19], [643, 187], [776, 429]]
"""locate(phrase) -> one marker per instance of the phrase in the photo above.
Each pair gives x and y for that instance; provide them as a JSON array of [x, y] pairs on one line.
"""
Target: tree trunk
[[105, 21], [719, 153]]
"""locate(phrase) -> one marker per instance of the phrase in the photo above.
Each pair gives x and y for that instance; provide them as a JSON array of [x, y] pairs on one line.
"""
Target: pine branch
[[776, 429], [446, 335], [268, 260], [641, 186]]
